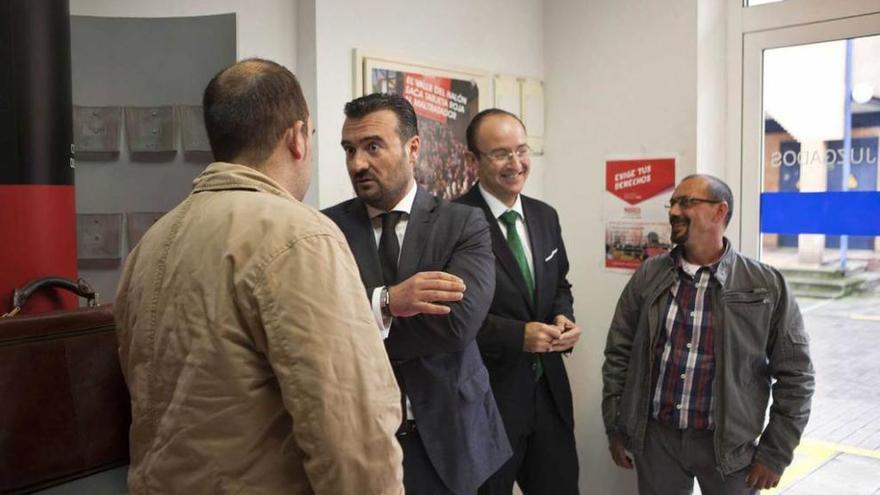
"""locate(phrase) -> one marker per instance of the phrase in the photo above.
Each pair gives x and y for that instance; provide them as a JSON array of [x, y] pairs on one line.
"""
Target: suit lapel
[[421, 218], [499, 245], [363, 244], [537, 243]]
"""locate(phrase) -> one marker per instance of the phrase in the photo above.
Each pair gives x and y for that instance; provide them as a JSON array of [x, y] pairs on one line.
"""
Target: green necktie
[[508, 218]]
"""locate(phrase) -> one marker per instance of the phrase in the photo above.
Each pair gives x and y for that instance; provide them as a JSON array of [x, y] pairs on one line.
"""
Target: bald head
[[473, 129], [248, 107], [715, 189]]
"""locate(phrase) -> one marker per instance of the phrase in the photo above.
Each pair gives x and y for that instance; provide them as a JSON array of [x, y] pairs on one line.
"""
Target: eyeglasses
[[503, 156], [685, 202]]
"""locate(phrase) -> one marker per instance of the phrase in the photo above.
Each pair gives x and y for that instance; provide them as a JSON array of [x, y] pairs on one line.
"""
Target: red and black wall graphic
[[37, 199]]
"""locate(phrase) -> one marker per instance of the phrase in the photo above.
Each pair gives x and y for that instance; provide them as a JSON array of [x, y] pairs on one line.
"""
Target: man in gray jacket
[[698, 336]]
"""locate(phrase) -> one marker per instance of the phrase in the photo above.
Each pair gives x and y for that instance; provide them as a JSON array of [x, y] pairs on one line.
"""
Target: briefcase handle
[[80, 288]]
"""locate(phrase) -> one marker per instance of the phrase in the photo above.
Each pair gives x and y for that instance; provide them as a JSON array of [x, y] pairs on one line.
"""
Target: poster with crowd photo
[[636, 220], [444, 102]]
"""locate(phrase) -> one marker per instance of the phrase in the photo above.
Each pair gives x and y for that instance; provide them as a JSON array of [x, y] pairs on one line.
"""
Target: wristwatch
[[385, 303]]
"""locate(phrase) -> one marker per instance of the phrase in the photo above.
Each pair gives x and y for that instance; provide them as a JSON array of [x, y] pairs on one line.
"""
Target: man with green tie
[[531, 321]]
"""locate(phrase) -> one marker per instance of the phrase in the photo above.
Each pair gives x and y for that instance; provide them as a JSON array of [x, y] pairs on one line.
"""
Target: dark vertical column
[[37, 200]]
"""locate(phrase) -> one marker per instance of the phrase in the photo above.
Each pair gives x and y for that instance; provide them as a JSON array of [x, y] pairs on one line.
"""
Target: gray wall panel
[[142, 62]]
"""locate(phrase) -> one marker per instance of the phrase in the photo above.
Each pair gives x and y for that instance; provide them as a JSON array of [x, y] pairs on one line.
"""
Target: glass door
[[811, 207], [820, 142]]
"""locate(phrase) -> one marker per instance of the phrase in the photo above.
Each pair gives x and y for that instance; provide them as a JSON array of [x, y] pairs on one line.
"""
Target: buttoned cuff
[[383, 323]]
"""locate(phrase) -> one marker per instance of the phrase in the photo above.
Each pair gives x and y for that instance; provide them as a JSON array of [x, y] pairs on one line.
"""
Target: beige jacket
[[252, 357]]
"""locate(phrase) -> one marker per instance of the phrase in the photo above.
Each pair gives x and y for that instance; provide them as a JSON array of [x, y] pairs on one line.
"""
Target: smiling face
[[503, 178], [379, 164], [700, 222]]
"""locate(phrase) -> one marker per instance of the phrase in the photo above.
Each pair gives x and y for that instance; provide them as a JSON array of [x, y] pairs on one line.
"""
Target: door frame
[[751, 30]]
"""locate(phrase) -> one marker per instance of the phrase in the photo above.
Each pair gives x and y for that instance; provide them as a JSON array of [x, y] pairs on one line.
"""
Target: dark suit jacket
[[436, 357], [501, 338]]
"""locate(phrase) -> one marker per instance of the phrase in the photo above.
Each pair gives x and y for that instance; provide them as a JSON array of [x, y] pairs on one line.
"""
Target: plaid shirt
[[684, 357]]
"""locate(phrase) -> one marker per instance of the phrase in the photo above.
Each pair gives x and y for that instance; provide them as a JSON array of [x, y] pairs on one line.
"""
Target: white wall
[[315, 39], [498, 36], [712, 86], [620, 77]]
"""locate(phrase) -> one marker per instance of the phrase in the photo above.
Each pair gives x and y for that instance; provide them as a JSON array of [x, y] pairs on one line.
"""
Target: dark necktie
[[389, 247], [508, 218], [389, 252]]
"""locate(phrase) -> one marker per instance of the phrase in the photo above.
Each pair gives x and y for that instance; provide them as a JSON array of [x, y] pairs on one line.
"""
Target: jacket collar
[[221, 176], [503, 254], [421, 216], [720, 270], [496, 206]]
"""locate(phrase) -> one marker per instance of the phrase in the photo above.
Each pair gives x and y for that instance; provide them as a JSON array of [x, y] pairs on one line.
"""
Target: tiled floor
[[840, 453], [843, 474]]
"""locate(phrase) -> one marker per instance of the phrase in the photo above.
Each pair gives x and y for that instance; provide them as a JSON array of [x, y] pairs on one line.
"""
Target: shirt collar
[[497, 207], [405, 204], [220, 176], [717, 269]]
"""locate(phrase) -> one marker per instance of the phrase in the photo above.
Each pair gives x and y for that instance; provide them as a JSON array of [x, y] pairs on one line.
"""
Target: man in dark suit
[[428, 269], [531, 321]]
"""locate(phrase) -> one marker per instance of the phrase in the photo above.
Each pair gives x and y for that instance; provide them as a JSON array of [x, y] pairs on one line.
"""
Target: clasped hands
[[562, 335], [425, 293]]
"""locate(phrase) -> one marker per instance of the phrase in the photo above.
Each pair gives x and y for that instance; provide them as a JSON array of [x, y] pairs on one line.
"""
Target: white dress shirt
[[404, 206], [498, 208]]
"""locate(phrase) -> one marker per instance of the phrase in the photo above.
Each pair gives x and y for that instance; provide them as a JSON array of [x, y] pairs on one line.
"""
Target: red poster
[[635, 181], [428, 95], [636, 222], [444, 107]]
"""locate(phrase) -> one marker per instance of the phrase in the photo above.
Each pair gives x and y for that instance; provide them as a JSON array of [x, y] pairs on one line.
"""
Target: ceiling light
[[862, 93]]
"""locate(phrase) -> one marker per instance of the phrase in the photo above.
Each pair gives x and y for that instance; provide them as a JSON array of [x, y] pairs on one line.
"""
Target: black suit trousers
[[544, 456]]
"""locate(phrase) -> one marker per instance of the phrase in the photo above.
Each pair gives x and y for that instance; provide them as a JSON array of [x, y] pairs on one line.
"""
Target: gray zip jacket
[[759, 336]]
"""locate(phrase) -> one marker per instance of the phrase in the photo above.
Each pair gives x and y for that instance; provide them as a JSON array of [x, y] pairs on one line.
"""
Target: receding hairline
[[398, 124], [497, 115], [717, 190], [249, 105], [709, 182], [245, 74], [501, 115]]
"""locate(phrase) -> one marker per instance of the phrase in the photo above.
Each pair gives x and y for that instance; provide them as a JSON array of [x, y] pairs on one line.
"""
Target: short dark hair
[[407, 121], [248, 106], [474, 126], [718, 190]]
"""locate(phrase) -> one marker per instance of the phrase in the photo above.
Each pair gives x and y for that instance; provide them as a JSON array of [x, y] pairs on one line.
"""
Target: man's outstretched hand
[[421, 293]]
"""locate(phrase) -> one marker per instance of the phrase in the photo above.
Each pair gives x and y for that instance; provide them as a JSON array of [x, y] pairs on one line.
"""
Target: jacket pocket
[[747, 316], [758, 295], [799, 337]]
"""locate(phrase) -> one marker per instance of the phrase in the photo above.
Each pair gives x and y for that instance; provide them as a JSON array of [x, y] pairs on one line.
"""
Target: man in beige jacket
[[251, 355]]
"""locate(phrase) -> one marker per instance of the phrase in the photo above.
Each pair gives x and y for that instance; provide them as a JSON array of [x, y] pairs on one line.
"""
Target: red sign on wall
[[428, 95], [636, 180]]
